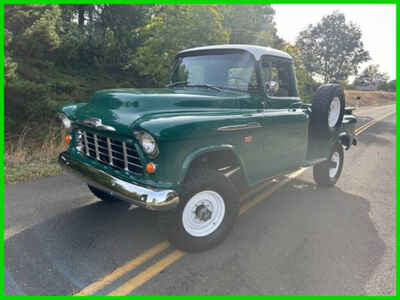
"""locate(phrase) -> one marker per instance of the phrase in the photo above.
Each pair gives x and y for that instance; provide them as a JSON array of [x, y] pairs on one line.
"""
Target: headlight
[[147, 142], [66, 122]]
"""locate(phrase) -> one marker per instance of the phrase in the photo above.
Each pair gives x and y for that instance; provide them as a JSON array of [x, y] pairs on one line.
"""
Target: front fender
[[71, 110], [201, 151]]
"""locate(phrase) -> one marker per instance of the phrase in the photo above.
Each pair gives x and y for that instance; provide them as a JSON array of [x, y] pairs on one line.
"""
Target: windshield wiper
[[185, 84], [172, 84], [209, 86]]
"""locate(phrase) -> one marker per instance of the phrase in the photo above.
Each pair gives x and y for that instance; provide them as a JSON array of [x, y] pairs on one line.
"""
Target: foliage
[[306, 85], [332, 48], [389, 86], [371, 76], [171, 29], [259, 29]]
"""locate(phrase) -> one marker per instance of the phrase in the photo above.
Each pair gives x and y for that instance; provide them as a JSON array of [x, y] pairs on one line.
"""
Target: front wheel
[[207, 210], [328, 172]]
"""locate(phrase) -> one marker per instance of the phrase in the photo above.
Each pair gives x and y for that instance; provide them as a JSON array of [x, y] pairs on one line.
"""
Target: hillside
[[370, 98]]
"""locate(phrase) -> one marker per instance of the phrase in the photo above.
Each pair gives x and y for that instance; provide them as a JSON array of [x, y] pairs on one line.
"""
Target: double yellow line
[[156, 268], [370, 123], [175, 255]]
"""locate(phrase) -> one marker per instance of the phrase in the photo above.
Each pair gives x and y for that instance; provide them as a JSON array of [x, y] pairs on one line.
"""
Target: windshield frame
[[218, 52]]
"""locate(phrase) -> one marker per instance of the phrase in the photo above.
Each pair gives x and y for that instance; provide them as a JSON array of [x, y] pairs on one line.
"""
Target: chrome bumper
[[149, 198]]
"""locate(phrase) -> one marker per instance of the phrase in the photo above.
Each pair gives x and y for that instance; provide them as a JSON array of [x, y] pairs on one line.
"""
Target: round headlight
[[147, 142], [66, 122]]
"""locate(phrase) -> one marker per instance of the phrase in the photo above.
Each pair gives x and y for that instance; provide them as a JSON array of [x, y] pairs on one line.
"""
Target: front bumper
[[149, 198]]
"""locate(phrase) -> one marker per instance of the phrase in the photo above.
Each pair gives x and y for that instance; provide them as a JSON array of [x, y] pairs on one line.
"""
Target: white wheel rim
[[335, 159], [203, 213], [334, 112]]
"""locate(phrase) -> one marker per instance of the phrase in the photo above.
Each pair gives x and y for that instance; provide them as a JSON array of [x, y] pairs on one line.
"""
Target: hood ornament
[[96, 123]]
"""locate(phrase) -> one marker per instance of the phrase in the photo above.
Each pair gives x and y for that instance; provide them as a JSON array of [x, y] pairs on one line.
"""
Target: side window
[[242, 78], [278, 78]]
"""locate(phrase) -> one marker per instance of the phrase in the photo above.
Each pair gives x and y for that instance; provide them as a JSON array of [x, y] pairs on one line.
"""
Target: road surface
[[292, 237]]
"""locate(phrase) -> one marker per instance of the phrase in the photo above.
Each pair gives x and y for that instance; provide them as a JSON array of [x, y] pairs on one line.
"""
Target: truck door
[[285, 130]]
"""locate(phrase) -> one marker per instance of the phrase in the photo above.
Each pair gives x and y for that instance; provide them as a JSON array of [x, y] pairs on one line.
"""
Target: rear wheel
[[102, 195], [328, 172], [207, 210]]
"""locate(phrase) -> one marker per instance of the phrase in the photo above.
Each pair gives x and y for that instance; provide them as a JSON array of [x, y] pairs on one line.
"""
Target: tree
[[389, 86], [258, 29], [10, 66], [306, 85], [101, 35], [173, 28], [332, 49], [33, 29], [371, 76]]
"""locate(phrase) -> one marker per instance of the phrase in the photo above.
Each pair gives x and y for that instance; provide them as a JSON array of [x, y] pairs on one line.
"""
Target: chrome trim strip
[[96, 147], [150, 198], [95, 123], [86, 143], [109, 151], [125, 156], [251, 125]]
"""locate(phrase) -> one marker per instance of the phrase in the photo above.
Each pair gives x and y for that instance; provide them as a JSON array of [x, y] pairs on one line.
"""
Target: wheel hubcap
[[336, 160], [203, 213], [334, 112]]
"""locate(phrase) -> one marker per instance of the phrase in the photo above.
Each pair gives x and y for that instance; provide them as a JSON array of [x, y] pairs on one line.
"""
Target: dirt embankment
[[369, 98]]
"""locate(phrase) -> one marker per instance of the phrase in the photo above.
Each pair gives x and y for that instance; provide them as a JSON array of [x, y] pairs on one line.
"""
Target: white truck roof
[[256, 51]]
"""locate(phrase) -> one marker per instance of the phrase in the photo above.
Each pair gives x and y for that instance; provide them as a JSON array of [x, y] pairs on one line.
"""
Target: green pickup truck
[[230, 116]]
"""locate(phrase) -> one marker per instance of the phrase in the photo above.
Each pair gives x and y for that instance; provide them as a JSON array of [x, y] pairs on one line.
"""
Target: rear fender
[[346, 137]]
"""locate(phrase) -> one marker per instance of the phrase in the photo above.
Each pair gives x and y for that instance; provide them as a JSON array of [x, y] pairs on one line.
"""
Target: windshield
[[227, 70]]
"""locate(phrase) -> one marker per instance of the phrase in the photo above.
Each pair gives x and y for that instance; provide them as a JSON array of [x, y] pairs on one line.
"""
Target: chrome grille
[[115, 153]]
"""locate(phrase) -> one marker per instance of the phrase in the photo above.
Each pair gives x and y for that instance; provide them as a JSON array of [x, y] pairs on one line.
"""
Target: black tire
[[321, 104], [102, 195], [171, 222], [321, 172]]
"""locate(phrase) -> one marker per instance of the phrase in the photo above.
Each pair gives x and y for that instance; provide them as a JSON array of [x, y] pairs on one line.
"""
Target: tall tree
[[33, 29], [250, 24], [332, 48], [173, 28]]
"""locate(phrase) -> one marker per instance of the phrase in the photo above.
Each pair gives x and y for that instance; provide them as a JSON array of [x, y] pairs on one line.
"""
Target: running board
[[308, 163]]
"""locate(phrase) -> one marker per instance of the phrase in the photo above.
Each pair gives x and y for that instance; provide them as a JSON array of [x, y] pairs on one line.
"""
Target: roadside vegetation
[[59, 54]]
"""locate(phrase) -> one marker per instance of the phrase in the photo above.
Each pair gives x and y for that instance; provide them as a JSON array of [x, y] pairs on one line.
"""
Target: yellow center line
[[145, 256], [147, 274], [256, 190], [174, 256], [246, 206], [370, 123], [119, 272]]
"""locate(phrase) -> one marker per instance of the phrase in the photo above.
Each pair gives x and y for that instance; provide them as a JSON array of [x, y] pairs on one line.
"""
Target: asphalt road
[[299, 240]]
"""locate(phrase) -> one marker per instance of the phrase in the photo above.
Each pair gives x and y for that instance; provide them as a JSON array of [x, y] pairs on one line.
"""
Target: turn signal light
[[150, 168], [68, 138]]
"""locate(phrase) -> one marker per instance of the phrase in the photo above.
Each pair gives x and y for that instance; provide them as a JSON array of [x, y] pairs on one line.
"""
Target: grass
[[26, 159], [370, 98]]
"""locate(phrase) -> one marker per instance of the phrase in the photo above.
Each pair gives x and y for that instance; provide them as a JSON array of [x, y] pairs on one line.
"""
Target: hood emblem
[[96, 123]]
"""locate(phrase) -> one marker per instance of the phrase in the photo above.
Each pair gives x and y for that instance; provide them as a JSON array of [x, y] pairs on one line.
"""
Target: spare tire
[[327, 110]]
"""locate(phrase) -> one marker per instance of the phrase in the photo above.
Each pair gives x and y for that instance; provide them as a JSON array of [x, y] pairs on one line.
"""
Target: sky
[[377, 23]]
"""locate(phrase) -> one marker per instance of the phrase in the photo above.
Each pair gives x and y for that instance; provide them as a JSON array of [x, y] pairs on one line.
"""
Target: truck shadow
[[301, 240]]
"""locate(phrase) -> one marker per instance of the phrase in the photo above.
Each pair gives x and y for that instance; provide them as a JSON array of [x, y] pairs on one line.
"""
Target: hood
[[121, 108]]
